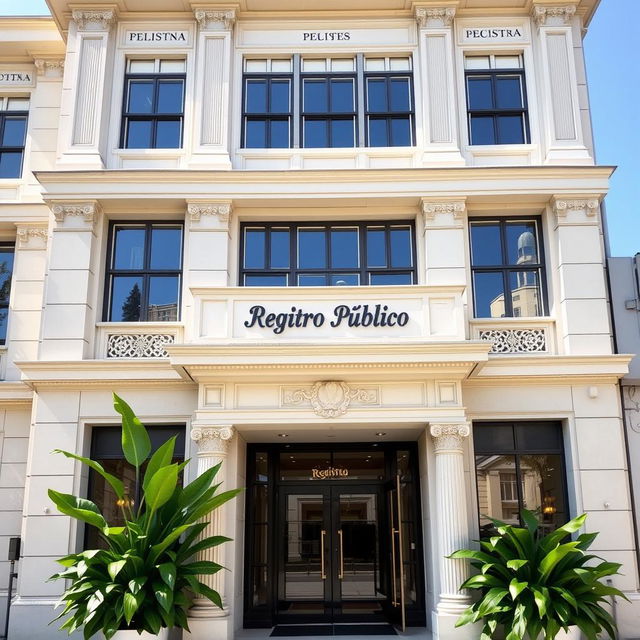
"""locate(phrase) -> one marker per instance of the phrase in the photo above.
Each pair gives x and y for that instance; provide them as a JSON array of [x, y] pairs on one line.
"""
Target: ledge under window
[[149, 158], [136, 339], [516, 336]]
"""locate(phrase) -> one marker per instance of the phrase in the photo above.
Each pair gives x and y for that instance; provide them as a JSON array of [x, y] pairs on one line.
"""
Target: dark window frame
[[154, 116], [495, 113], [291, 274], [146, 272], [4, 306], [506, 269], [5, 115]]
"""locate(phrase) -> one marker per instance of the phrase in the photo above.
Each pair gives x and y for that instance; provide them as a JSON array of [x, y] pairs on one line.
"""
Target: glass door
[[398, 540]]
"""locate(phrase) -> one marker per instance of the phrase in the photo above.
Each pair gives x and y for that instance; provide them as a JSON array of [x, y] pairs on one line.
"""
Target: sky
[[614, 91]]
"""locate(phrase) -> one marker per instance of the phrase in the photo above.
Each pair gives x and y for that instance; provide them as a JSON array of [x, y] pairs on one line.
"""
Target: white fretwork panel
[[516, 340], [128, 345]]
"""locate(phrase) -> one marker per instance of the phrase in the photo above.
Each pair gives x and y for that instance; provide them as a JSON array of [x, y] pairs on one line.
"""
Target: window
[[339, 254], [144, 272], [507, 268], [6, 271], [153, 111], [520, 465], [316, 102], [13, 130], [106, 449], [496, 100]]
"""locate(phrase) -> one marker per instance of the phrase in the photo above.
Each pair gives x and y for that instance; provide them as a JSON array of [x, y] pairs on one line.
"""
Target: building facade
[[352, 249]]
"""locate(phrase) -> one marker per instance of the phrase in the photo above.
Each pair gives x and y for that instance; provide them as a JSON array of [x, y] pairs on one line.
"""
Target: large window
[[520, 465], [496, 100], [6, 271], [144, 272], [338, 254], [328, 102], [153, 111], [13, 130], [507, 268]]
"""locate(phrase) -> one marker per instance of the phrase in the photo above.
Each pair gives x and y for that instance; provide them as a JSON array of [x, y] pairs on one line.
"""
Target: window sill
[[149, 158]]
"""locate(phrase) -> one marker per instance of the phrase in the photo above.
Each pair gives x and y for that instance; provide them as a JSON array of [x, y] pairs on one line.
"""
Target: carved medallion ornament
[[330, 398], [449, 437], [221, 210], [212, 440], [542, 14], [588, 205], [424, 15]]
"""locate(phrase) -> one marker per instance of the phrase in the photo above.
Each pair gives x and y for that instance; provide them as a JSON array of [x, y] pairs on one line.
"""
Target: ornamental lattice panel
[[137, 345], [515, 340]]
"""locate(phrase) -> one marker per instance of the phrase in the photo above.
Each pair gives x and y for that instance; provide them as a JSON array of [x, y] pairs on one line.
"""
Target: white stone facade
[[231, 384]]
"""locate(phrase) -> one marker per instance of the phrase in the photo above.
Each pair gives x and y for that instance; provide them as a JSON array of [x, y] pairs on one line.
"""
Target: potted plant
[[143, 580], [533, 585]]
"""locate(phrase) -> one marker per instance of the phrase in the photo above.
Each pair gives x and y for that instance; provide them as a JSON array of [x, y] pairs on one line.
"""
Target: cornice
[[15, 393]]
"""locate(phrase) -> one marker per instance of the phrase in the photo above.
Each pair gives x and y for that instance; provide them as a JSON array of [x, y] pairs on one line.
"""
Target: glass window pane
[[377, 95], [314, 64], [126, 298], [311, 280], [10, 164], [344, 280], [486, 247], [374, 64], [378, 132], [508, 92], [262, 475], [342, 96], [4, 317], [539, 436], [265, 280], [497, 491], [142, 66], [140, 96], [344, 249], [342, 64], [256, 96], [398, 64], [510, 130], [525, 294], [281, 66], [315, 96], [400, 94], [376, 248], [254, 249], [279, 95], [14, 132], [543, 489], [280, 138], [476, 62], [168, 134], [400, 132], [255, 134], [315, 134], [128, 248], [163, 298], [166, 248], [480, 92], [170, 96], [18, 104], [493, 438], [312, 249], [522, 246], [482, 130], [139, 134], [172, 66], [488, 295], [255, 65], [390, 278], [342, 133], [280, 248], [400, 241], [508, 62], [6, 269]]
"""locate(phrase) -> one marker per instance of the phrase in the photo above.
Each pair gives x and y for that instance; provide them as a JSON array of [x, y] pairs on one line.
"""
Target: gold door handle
[[394, 598], [323, 573], [341, 573]]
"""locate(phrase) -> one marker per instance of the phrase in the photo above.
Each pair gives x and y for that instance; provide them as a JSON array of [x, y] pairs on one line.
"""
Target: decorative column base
[[209, 628], [443, 627]]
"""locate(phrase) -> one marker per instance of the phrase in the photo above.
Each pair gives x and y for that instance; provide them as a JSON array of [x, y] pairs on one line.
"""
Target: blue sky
[[615, 95]]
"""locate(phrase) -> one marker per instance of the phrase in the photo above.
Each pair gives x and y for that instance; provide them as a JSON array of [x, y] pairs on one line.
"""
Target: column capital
[[88, 210], [214, 439], [434, 16], [448, 437], [212, 18], [221, 209], [563, 205], [542, 14], [94, 18], [32, 236], [452, 208], [49, 66]]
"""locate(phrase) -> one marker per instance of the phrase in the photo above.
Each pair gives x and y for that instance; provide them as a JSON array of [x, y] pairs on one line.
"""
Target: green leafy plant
[[535, 585], [145, 577]]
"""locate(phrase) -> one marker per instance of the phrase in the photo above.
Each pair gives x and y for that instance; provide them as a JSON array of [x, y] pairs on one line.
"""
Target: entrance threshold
[[413, 633], [324, 630]]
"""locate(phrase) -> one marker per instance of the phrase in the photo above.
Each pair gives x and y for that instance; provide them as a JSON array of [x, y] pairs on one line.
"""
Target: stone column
[[204, 617], [211, 136], [435, 41], [452, 524]]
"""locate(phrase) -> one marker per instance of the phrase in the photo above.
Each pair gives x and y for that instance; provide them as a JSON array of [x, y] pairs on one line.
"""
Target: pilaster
[[436, 45], [211, 140]]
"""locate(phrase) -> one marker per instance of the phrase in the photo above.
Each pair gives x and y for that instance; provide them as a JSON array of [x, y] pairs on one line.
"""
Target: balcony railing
[[516, 335], [136, 339]]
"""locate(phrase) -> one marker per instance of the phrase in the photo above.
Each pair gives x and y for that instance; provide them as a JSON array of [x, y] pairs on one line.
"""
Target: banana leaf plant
[[146, 575], [533, 585]]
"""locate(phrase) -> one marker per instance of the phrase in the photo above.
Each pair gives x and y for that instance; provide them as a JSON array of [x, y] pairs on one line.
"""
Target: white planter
[[163, 634]]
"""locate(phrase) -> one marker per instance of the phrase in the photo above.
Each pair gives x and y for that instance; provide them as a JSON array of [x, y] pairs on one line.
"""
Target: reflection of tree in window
[[6, 267], [131, 306]]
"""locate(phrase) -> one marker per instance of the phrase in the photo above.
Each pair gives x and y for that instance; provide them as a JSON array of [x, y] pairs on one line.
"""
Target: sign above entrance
[[329, 473], [142, 38]]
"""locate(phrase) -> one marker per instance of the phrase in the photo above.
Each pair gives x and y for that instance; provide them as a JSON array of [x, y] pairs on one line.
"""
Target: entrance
[[333, 536]]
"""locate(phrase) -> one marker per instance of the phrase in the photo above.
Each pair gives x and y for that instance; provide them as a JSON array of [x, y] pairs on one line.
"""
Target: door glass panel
[[361, 465], [300, 465]]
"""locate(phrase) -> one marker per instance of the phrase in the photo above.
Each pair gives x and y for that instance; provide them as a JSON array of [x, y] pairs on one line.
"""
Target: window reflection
[[6, 271]]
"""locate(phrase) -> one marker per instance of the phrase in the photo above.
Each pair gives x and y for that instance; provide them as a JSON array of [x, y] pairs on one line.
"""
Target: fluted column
[[213, 443], [451, 512]]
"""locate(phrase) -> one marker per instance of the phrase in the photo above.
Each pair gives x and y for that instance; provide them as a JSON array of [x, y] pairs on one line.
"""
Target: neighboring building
[[183, 184]]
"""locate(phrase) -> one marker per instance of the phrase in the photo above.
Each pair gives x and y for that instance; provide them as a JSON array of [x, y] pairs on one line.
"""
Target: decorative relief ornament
[[430, 209], [24, 233], [139, 345], [542, 14], [101, 17], [515, 340], [44, 64], [90, 211], [329, 398], [222, 210], [589, 205], [426, 14], [206, 17], [212, 439], [448, 437]]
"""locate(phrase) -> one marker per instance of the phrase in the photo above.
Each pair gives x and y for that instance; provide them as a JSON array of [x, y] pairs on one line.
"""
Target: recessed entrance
[[333, 536]]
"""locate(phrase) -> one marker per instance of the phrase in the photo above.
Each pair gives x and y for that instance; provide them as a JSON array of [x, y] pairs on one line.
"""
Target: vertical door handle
[[323, 573], [341, 573]]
